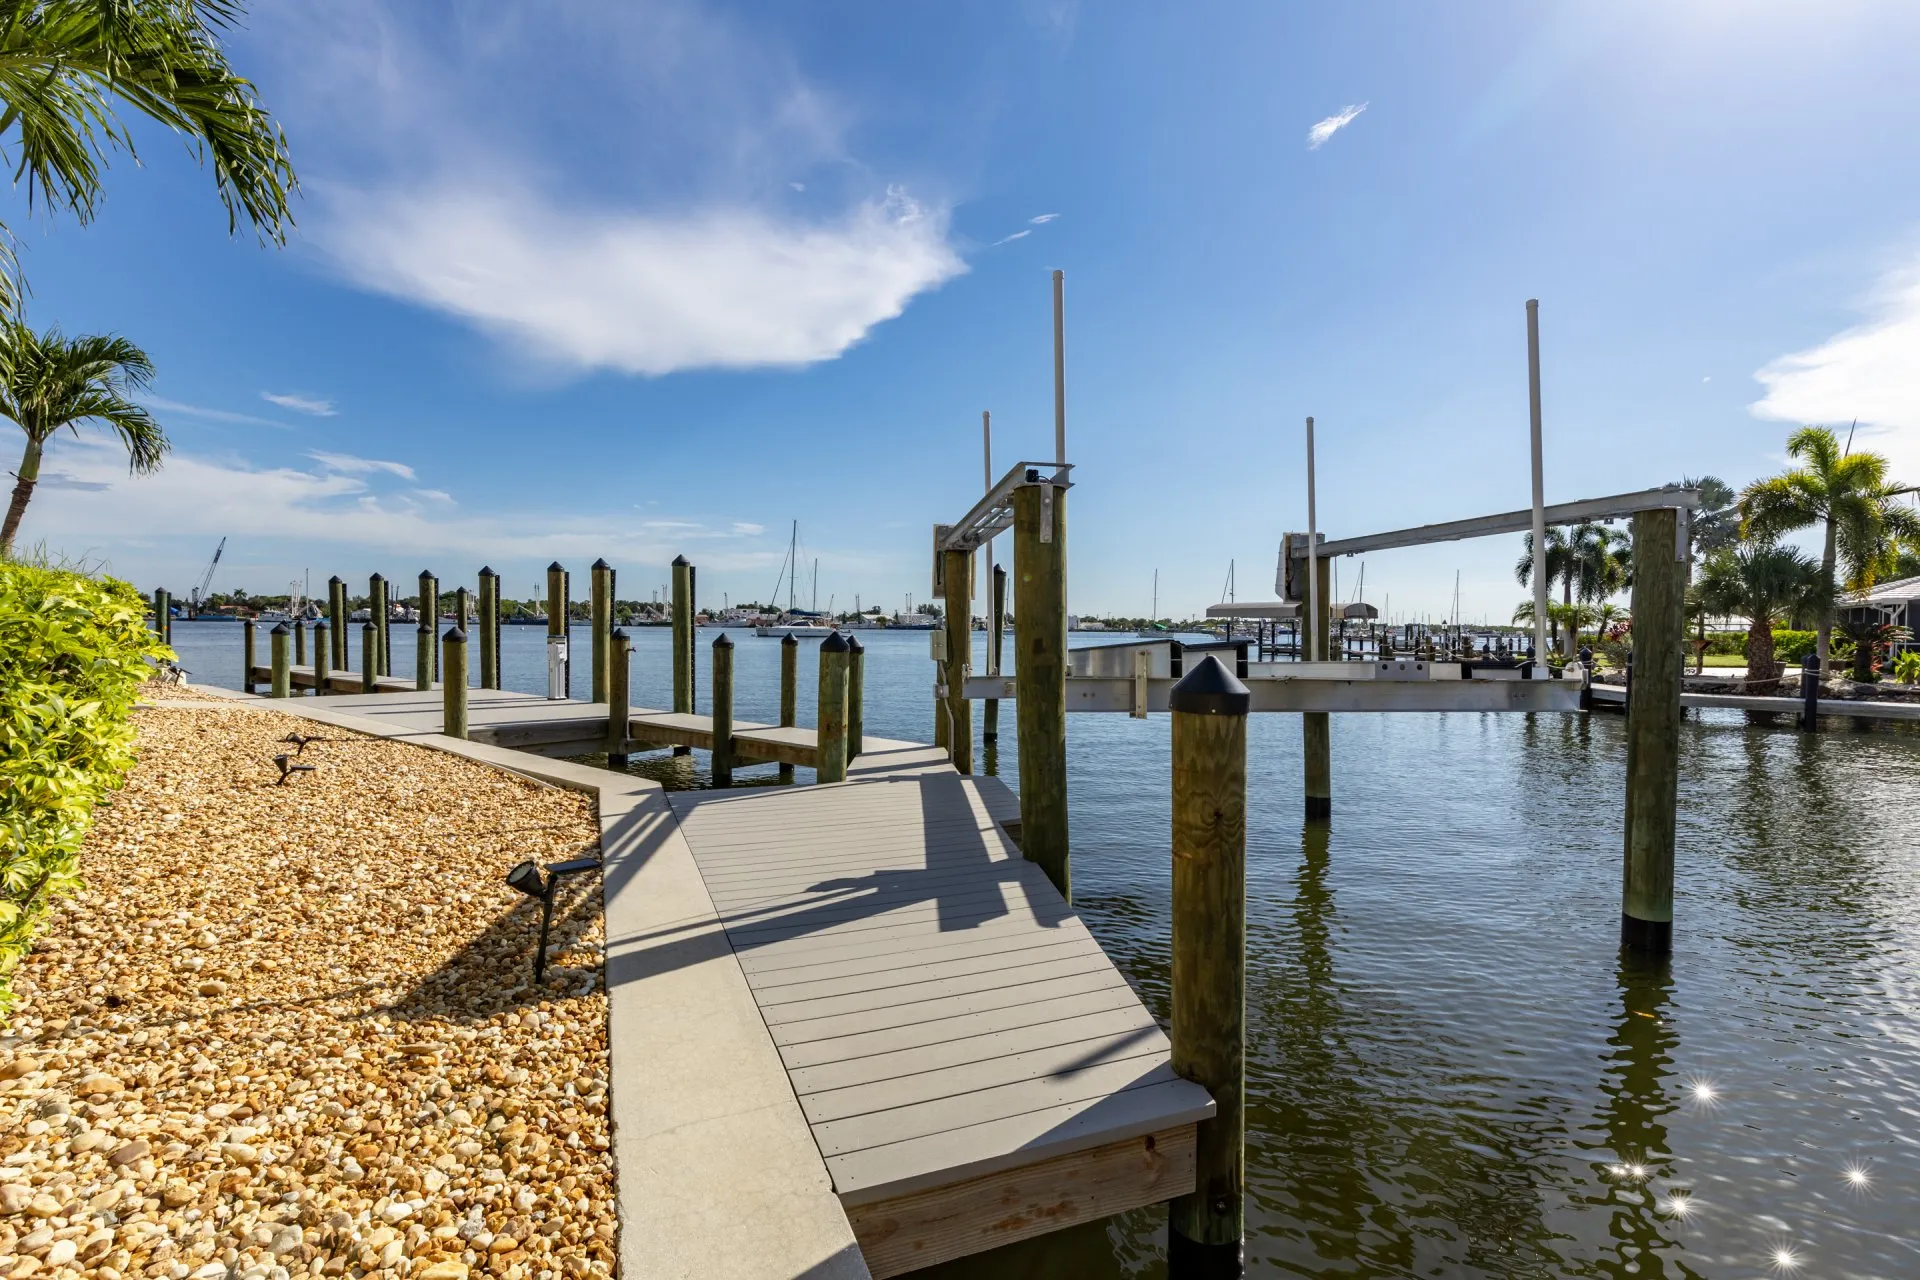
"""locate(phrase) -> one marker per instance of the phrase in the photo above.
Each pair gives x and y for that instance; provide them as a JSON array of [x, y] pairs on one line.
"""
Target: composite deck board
[[941, 1011]]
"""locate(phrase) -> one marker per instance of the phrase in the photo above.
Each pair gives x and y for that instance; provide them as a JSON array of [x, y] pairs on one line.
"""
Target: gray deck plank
[[858, 1047], [808, 1026]]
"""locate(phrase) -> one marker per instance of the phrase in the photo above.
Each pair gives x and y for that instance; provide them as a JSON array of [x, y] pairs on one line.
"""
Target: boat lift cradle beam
[[993, 514], [1586, 509]]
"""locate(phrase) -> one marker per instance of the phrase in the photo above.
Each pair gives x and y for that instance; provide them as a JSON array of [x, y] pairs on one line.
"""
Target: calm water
[[1451, 1071]]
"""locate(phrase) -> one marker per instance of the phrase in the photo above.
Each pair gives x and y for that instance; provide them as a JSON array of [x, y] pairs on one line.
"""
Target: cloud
[[486, 163], [727, 287], [300, 404], [346, 462], [164, 406], [1043, 219], [1018, 235], [1318, 135], [64, 480], [798, 186], [747, 528], [1869, 372]]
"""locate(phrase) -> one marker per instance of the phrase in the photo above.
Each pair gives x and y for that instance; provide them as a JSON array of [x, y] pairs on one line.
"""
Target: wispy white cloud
[[1870, 372], [66, 480], [1043, 219], [541, 217], [300, 404], [162, 405], [1318, 135], [747, 528], [350, 465], [1018, 235]]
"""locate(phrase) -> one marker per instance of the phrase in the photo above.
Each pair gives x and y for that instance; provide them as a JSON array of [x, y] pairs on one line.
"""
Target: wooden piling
[[1040, 604], [376, 617], [322, 656], [280, 649], [830, 733], [957, 575], [453, 682], [1316, 727], [369, 658], [990, 717], [557, 615], [1660, 562], [600, 589], [722, 711], [1809, 693], [337, 613], [619, 696], [1210, 708], [429, 590], [248, 658], [682, 636], [856, 697], [789, 690], [425, 658], [160, 614], [489, 628], [299, 642]]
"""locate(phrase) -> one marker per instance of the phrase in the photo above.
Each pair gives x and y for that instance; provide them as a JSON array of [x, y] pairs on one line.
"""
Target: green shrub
[[73, 652], [1791, 646], [1726, 644], [1906, 668]]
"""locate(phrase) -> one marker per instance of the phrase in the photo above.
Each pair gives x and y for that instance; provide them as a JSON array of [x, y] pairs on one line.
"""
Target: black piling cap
[[678, 560], [835, 643], [320, 623], [791, 639], [336, 579], [486, 572], [556, 567], [280, 629], [1210, 690], [455, 635], [426, 573], [620, 634], [600, 564], [854, 645], [367, 625], [376, 578], [721, 642]]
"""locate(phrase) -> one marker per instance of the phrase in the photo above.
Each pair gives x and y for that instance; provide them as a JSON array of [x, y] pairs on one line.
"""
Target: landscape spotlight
[[288, 768], [300, 741], [526, 877]]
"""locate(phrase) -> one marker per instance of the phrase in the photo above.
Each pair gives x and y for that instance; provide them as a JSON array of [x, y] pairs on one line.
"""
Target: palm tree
[[68, 67], [1847, 492], [48, 381], [1589, 561], [1715, 525], [1769, 585]]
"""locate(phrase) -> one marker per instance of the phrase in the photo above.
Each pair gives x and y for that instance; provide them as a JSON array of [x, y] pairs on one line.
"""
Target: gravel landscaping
[[290, 1030]]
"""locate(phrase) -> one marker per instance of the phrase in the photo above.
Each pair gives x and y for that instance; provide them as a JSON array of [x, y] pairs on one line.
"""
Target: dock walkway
[[854, 1032]]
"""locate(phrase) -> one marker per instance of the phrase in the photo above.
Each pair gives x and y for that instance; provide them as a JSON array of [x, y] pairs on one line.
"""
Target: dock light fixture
[[299, 741], [288, 768], [526, 877]]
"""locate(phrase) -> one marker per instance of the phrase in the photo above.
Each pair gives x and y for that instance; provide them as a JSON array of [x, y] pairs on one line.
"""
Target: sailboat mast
[[793, 565]]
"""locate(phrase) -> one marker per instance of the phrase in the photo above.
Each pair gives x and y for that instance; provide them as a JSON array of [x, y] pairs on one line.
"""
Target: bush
[[1791, 646], [73, 652], [1726, 644]]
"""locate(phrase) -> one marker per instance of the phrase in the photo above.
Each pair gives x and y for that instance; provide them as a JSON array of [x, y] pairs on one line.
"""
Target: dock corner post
[[856, 697], [322, 656], [789, 690], [369, 658], [722, 711], [489, 622], [337, 616], [1810, 692], [1210, 707], [1653, 731], [957, 577], [1040, 675], [830, 732], [453, 683], [600, 584], [990, 715], [248, 657], [1316, 727], [280, 640], [619, 692]]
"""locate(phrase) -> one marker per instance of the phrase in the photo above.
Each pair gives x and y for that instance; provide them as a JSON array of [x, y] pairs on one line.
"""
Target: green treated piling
[[601, 615], [160, 613], [248, 658], [789, 690], [369, 658], [299, 642], [376, 617], [557, 614], [424, 657], [280, 647], [1040, 675], [1660, 563], [619, 696], [830, 734], [856, 697], [322, 656], [957, 577], [337, 616], [489, 629], [1210, 708], [723, 711], [990, 717], [429, 622], [453, 683], [682, 641]]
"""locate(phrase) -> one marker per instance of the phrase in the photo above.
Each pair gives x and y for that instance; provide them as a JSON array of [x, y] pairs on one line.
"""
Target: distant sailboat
[[802, 625]]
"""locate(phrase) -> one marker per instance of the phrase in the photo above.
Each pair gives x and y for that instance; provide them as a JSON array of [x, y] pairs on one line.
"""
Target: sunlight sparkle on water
[[1857, 1176], [1678, 1205], [1784, 1258], [1703, 1091]]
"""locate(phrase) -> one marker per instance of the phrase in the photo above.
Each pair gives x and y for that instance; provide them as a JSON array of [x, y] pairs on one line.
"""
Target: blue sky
[[637, 279]]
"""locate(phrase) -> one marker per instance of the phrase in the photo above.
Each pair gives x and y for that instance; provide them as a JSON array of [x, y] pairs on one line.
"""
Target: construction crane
[[198, 598]]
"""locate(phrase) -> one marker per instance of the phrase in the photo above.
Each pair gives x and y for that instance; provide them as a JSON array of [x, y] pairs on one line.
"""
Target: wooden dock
[[960, 1057], [1615, 696]]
